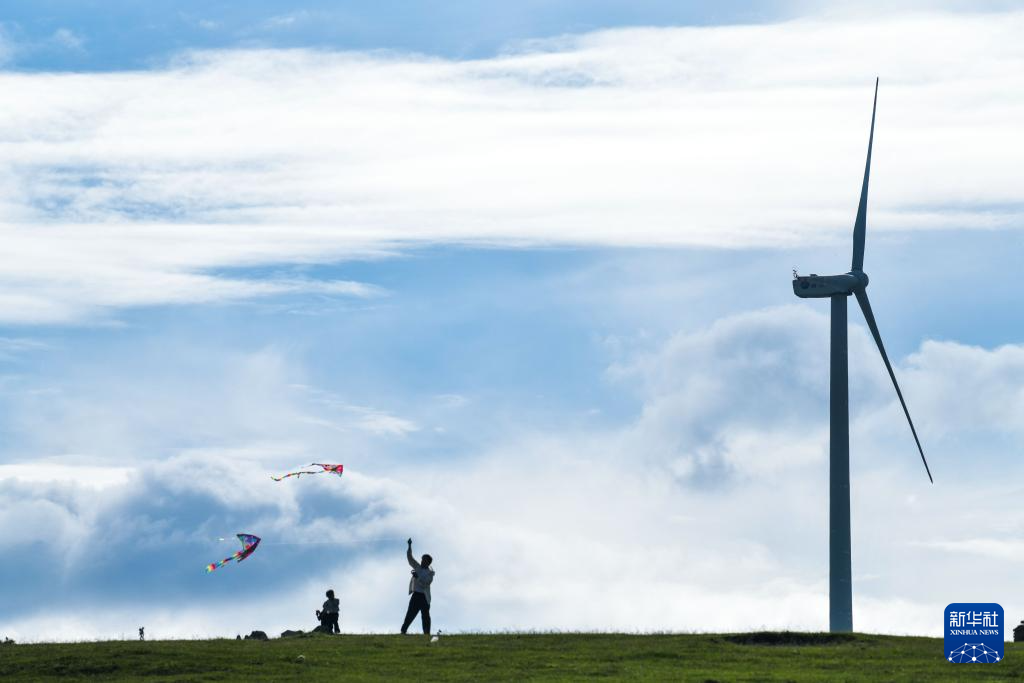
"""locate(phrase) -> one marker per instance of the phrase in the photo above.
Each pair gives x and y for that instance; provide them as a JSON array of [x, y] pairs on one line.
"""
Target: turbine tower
[[838, 288]]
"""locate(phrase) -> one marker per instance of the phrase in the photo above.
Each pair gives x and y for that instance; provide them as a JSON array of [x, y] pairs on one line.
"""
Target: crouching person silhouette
[[419, 590], [328, 616]]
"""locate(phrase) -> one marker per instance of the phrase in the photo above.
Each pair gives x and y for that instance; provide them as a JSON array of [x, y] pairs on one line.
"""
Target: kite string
[[347, 541]]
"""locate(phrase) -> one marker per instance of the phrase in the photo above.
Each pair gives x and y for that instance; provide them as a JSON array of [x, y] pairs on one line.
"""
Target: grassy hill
[[499, 657]]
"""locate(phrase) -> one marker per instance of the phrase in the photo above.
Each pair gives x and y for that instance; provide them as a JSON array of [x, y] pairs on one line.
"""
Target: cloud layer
[[706, 511], [139, 188]]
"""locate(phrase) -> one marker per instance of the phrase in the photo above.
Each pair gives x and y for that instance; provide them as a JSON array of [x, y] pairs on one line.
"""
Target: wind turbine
[[837, 288]]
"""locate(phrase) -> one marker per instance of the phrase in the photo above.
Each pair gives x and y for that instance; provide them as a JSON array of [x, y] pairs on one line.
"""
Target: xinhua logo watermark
[[974, 633]]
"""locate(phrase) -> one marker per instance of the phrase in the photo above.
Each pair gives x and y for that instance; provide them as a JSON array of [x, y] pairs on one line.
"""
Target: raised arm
[[408, 555]]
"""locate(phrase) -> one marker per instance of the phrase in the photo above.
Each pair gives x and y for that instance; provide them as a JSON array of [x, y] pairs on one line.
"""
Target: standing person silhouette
[[419, 590]]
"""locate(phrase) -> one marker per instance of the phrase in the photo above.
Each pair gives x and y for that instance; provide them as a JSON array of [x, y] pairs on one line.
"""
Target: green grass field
[[507, 657]]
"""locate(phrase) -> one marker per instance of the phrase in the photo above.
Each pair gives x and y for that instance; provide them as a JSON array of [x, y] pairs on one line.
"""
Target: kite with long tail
[[329, 469], [249, 543]]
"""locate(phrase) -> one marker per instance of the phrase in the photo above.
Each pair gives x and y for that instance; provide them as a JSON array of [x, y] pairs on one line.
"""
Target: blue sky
[[527, 275], [128, 35]]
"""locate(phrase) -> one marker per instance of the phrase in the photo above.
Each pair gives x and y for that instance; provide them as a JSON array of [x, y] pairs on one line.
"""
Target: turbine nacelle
[[822, 286]]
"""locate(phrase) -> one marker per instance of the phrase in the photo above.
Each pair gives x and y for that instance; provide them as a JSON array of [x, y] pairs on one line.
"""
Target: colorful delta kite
[[249, 543], [331, 469]]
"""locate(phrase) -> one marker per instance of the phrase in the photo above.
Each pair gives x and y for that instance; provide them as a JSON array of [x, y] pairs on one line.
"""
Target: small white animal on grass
[[300, 658]]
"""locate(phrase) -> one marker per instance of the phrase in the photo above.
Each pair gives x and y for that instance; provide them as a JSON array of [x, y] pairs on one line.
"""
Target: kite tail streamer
[[325, 468], [215, 565], [291, 474]]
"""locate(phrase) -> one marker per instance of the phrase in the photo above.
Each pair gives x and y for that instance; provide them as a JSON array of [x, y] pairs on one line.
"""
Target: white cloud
[[964, 388], [12, 347], [451, 400], [342, 415], [255, 406], [61, 273], [130, 188], [382, 423], [289, 20], [51, 470], [1003, 549], [67, 38]]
